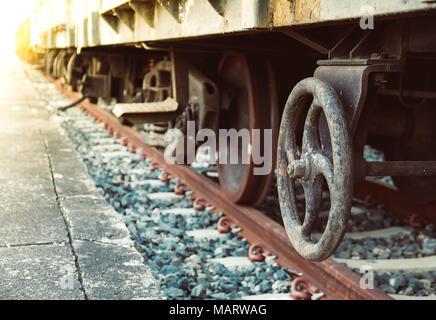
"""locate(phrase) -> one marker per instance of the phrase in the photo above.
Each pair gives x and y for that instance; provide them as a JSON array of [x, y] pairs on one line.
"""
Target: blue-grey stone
[[199, 291], [174, 292]]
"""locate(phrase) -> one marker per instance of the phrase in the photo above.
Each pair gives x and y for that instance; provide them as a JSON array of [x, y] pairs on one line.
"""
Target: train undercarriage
[[323, 92]]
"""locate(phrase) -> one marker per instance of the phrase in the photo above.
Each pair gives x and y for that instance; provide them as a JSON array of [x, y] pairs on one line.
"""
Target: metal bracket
[[219, 6], [357, 43], [96, 86], [147, 112], [307, 41], [350, 79], [144, 9], [204, 93], [111, 20], [180, 78], [127, 16]]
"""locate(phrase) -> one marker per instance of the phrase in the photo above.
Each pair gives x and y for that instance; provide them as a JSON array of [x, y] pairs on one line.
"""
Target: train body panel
[[88, 23]]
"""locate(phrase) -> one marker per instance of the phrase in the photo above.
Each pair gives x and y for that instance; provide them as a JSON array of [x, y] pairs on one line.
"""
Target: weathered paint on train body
[[90, 23]]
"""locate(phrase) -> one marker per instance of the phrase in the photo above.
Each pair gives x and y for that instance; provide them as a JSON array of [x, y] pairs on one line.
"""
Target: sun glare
[[17, 12]]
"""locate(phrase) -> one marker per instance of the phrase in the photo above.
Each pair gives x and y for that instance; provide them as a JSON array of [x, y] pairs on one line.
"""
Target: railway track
[[122, 146]]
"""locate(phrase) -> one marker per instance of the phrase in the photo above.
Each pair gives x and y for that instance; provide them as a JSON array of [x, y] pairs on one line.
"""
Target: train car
[[326, 77]]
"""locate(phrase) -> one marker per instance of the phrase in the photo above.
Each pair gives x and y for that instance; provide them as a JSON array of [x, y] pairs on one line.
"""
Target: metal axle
[[401, 168]]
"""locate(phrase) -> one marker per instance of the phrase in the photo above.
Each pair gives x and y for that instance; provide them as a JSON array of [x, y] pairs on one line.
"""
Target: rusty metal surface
[[306, 11], [335, 280], [251, 95], [401, 168], [257, 253], [352, 82], [306, 292], [311, 165], [393, 200]]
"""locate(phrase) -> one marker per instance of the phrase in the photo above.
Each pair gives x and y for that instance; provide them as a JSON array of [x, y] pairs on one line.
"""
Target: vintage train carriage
[[339, 74]]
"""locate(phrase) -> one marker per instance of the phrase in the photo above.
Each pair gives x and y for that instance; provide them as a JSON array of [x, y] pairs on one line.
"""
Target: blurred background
[[15, 14]]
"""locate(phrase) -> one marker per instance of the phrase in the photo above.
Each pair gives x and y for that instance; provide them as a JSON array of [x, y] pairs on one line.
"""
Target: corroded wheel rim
[[248, 86], [313, 166], [50, 59], [70, 70]]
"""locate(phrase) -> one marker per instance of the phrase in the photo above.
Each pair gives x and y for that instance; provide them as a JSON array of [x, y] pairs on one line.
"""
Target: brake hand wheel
[[312, 165]]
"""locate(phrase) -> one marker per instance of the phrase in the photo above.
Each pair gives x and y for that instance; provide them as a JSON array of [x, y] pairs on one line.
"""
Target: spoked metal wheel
[[248, 101], [313, 165]]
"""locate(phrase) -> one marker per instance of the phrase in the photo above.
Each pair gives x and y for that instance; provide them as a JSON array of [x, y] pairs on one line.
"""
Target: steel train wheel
[[58, 62], [248, 100], [312, 166], [49, 63], [69, 74]]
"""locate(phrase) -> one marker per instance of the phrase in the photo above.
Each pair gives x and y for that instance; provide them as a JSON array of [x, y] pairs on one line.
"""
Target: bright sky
[[15, 11]]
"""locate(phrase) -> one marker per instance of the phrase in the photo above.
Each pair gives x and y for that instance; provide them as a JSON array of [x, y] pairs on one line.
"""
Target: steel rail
[[332, 278]]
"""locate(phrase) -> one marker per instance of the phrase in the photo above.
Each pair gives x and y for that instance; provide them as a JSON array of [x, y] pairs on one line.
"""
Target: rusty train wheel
[[248, 101], [57, 64], [312, 166], [69, 75], [49, 63]]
